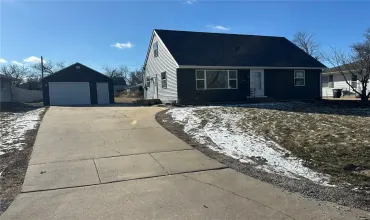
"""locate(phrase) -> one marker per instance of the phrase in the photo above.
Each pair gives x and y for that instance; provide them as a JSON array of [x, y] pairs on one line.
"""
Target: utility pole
[[42, 74], [42, 68]]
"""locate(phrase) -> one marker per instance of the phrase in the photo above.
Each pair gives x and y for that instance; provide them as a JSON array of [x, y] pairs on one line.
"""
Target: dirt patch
[[340, 195], [14, 163]]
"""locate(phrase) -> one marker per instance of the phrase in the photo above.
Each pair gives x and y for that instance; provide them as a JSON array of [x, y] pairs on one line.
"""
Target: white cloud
[[190, 2], [17, 63], [32, 59], [218, 27], [123, 45], [3, 60]]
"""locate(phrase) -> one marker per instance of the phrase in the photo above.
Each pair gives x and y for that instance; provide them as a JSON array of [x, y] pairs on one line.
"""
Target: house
[[6, 88], [134, 88], [119, 84], [77, 85], [332, 78], [197, 67]]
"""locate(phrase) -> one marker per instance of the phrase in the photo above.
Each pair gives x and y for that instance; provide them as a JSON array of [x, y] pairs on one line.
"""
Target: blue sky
[[86, 31]]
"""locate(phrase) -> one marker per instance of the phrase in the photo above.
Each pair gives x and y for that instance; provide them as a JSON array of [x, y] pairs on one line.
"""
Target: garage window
[[164, 80], [216, 79], [299, 78]]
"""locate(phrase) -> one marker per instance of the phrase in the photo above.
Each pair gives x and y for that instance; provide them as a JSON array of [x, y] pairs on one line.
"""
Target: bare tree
[[306, 41], [15, 71], [49, 67], [136, 76], [131, 77], [356, 63]]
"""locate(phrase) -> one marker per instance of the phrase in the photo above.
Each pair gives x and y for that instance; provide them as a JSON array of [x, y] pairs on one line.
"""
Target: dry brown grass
[[331, 140], [123, 99]]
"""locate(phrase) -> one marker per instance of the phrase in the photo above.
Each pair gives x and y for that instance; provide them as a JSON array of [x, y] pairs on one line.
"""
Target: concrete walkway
[[119, 163]]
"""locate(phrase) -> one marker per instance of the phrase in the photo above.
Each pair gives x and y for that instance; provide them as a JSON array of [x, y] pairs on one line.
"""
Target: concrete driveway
[[119, 163]]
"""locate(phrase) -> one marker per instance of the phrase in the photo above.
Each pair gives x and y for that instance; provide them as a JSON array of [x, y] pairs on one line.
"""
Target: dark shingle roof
[[8, 78], [214, 49]]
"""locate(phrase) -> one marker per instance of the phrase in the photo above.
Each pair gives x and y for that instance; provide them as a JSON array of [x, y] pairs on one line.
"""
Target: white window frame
[[331, 83], [165, 79], [304, 77], [155, 49], [205, 79], [147, 83]]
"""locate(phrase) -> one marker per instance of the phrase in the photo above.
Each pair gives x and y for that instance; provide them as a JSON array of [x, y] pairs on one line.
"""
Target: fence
[[24, 95]]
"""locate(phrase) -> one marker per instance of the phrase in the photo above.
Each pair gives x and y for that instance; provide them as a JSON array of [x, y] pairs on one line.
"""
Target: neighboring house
[[6, 88], [333, 79], [134, 88], [196, 67], [119, 84], [77, 85]]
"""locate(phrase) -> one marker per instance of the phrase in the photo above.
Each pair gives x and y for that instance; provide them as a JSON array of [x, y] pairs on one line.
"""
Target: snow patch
[[244, 145], [14, 127]]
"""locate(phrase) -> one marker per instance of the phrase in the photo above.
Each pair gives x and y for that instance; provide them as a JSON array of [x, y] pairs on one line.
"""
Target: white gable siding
[[339, 83], [153, 69]]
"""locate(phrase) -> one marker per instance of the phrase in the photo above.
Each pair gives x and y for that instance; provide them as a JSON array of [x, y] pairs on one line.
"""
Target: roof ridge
[[216, 33]]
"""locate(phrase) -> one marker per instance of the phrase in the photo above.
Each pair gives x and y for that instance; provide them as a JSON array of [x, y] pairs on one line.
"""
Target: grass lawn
[[333, 141], [19, 124]]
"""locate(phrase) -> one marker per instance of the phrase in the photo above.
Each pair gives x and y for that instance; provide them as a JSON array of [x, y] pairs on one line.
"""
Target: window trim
[[164, 80], [155, 49], [304, 77], [205, 79], [147, 83], [331, 83]]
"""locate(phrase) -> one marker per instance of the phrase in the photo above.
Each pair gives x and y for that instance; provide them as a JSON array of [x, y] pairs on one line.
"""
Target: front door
[[257, 83]]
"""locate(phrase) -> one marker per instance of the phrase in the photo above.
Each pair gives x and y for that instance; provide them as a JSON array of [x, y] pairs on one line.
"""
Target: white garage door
[[103, 93], [69, 93]]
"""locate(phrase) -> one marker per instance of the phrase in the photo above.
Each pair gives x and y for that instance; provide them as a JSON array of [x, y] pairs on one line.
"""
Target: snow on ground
[[245, 145], [14, 126]]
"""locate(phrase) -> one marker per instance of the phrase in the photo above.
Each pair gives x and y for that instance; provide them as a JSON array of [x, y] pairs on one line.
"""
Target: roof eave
[[245, 67]]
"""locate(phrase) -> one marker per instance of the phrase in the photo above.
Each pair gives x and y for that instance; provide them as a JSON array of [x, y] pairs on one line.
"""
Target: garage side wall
[[84, 74]]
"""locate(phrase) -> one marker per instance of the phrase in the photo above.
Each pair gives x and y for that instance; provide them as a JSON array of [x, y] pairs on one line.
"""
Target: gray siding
[[279, 84], [153, 69], [188, 94]]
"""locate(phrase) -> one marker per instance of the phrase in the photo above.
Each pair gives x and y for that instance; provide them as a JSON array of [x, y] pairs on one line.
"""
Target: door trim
[[262, 92]]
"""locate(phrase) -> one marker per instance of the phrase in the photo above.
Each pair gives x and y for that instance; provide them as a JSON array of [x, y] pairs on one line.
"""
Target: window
[[324, 80], [200, 79], [331, 81], [147, 82], [299, 78], [155, 49], [216, 79], [354, 81], [164, 80]]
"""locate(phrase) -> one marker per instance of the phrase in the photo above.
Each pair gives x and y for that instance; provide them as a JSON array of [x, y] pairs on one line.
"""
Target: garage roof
[[74, 67]]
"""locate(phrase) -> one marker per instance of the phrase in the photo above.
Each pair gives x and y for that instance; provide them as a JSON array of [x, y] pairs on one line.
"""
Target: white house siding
[[339, 83], [5, 91], [153, 69]]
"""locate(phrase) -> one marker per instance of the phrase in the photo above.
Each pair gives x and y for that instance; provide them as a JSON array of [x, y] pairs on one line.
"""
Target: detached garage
[[77, 85]]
